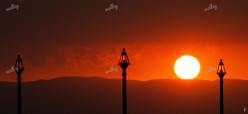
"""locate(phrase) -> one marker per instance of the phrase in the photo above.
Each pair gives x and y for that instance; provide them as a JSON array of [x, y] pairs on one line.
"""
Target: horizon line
[[121, 78]]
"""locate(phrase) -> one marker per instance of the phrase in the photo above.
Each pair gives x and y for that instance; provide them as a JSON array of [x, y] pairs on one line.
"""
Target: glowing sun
[[187, 67]]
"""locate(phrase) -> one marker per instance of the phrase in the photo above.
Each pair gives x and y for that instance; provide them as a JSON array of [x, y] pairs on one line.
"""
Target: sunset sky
[[79, 38]]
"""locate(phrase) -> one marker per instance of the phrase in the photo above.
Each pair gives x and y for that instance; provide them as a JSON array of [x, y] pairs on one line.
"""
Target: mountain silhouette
[[93, 95]]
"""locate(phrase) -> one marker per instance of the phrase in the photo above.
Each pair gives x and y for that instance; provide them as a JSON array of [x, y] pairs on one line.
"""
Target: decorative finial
[[123, 49], [18, 57], [220, 60]]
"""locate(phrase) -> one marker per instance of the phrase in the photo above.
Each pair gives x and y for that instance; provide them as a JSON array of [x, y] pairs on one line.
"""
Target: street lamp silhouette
[[19, 67], [221, 72], [124, 62]]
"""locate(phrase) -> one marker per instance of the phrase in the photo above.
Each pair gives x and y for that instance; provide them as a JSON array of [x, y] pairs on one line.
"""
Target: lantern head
[[124, 61], [221, 69], [19, 65]]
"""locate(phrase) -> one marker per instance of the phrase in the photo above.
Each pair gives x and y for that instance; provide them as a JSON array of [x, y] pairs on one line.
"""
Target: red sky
[[79, 38]]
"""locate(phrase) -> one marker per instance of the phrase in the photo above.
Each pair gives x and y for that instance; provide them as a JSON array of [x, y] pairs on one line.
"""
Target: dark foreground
[[78, 95]]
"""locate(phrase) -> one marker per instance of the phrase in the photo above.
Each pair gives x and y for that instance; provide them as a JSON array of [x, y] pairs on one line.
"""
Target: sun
[[187, 67]]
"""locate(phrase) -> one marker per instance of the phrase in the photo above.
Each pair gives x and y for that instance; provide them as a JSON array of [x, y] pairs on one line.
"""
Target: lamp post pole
[[124, 62], [19, 94], [221, 96], [124, 92], [19, 69], [221, 72]]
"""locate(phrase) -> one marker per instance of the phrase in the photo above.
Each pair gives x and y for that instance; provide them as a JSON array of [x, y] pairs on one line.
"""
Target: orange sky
[[84, 40], [149, 61]]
